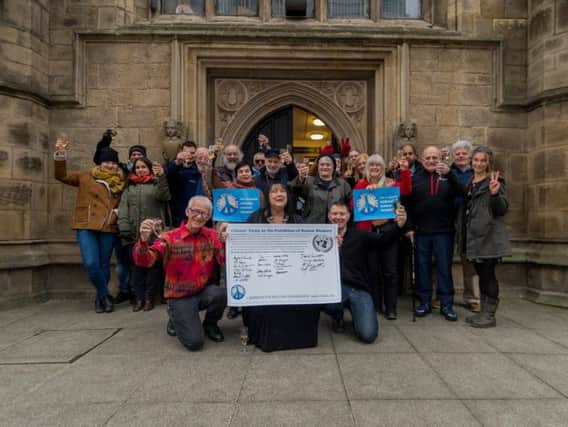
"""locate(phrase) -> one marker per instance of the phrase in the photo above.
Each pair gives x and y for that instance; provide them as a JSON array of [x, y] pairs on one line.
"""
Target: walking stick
[[412, 278]]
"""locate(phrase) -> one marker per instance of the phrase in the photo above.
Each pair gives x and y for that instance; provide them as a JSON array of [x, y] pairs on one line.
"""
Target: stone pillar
[[547, 196], [24, 48]]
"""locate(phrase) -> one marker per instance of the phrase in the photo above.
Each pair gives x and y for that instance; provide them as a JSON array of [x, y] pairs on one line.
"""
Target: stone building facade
[[491, 71]]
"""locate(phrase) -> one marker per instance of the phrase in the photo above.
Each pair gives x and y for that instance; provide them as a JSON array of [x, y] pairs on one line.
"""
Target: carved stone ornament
[[349, 96], [231, 94], [406, 133], [174, 136]]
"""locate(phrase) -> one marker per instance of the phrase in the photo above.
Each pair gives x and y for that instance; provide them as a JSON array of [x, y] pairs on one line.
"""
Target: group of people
[[444, 208]]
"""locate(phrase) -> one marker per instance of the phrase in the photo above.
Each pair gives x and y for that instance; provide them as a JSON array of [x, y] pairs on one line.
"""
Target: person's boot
[[107, 304], [149, 305], [121, 297], [171, 328], [477, 316], [487, 318], [233, 312], [139, 305], [99, 307]]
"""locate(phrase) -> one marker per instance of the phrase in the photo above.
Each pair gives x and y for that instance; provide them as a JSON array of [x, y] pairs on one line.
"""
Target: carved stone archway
[[237, 115]]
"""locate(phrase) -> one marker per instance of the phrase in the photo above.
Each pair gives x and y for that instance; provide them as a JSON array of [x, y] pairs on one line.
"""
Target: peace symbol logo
[[367, 203], [227, 204], [238, 292]]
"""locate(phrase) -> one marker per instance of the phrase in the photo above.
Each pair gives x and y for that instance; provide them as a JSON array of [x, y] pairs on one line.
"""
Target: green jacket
[[140, 202], [482, 219], [319, 198]]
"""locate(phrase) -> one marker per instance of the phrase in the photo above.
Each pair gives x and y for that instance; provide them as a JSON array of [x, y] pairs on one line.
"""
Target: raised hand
[[494, 184], [61, 144], [400, 216], [303, 170], [146, 229], [157, 169], [403, 164]]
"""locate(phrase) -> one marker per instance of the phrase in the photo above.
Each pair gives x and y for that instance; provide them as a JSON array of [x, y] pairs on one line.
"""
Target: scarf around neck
[[114, 180], [145, 179]]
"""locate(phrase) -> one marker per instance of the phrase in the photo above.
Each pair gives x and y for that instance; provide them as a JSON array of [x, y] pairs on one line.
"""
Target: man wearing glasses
[[190, 255], [258, 160]]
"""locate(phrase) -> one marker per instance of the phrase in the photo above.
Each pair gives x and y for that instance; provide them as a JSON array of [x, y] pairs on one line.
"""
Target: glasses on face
[[408, 154], [259, 162], [198, 213]]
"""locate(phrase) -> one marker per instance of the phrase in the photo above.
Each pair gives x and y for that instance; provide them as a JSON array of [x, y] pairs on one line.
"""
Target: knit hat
[[271, 153], [107, 154], [138, 148]]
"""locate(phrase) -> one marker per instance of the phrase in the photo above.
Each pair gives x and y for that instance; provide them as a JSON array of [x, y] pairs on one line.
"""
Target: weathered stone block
[[506, 139], [82, 118], [421, 83], [475, 135], [14, 225], [107, 17], [470, 95], [555, 134], [536, 166], [447, 116], [556, 163], [492, 8], [518, 167], [562, 15], [516, 9], [540, 24], [151, 97], [450, 60], [423, 114], [142, 117], [122, 76], [474, 116]]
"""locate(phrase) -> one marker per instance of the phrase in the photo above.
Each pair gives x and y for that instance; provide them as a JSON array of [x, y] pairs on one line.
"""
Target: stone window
[[183, 7], [404, 9], [236, 7], [279, 8], [348, 8]]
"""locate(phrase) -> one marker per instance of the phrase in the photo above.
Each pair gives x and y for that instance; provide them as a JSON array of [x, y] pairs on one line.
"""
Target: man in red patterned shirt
[[190, 255]]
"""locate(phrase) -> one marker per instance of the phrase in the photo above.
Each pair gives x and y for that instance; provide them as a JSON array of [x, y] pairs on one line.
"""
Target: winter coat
[[95, 207], [483, 230], [184, 183], [464, 176], [319, 198], [431, 206], [140, 202], [283, 176]]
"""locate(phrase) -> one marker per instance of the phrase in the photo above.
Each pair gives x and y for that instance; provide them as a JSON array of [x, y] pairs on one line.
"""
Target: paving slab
[[403, 413], [284, 414], [390, 376], [518, 341], [281, 376], [54, 346], [123, 317], [443, 340], [172, 414], [484, 375], [194, 378], [551, 368], [16, 380], [559, 336], [31, 414], [390, 341], [520, 413], [97, 379], [540, 319]]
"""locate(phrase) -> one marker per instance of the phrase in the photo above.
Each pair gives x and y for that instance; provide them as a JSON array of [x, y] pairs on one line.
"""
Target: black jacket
[[353, 259], [431, 206], [286, 174]]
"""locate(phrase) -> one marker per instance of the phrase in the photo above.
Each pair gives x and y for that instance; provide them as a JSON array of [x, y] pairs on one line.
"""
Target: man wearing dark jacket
[[354, 267], [431, 215], [274, 172]]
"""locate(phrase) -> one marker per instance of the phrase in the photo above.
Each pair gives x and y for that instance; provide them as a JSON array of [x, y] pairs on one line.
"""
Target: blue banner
[[375, 204], [235, 205]]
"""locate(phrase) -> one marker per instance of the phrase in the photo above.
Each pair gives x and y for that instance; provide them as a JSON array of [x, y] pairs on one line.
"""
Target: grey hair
[[488, 152], [373, 160], [462, 144], [202, 199], [241, 155]]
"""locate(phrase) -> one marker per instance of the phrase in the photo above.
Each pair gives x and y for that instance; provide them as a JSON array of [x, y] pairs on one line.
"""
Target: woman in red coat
[[387, 258]]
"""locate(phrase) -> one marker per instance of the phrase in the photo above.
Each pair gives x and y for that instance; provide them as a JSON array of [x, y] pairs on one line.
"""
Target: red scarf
[[145, 179]]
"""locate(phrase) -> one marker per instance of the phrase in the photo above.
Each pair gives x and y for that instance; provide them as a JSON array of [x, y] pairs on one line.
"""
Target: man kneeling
[[190, 254], [355, 283]]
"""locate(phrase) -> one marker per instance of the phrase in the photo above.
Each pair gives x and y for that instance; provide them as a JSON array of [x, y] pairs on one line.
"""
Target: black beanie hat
[[107, 154], [139, 148]]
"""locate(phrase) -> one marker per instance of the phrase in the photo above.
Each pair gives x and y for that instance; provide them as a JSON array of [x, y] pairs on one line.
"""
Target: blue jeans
[[360, 303], [122, 267], [441, 246], [96, 249]]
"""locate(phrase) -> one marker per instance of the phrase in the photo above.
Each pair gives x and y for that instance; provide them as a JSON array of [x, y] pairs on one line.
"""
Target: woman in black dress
[[280, 327]]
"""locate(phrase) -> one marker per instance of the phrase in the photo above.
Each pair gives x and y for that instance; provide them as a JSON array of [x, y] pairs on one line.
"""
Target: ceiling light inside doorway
[[316, 136], [318, 122]]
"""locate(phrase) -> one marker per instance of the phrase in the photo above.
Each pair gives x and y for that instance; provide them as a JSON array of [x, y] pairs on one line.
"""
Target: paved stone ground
[[62, 364]]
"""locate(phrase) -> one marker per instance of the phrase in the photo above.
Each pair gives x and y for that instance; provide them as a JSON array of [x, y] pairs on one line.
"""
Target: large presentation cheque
[[282, 264]]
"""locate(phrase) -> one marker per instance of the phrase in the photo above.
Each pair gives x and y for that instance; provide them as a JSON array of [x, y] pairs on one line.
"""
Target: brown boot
[[149, 305], [138, 306]]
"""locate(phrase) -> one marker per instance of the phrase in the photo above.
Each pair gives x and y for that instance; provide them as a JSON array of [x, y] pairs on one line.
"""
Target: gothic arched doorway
[[290, 128]]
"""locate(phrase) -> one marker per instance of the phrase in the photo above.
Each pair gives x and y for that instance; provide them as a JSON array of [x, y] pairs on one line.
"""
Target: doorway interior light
[[316, 136], [318, 122]]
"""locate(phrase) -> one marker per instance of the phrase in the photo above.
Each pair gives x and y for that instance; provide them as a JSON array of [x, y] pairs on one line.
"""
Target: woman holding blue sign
[[280, 327], [385, 259]]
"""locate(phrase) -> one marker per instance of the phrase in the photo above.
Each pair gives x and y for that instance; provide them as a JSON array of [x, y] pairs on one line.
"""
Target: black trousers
[[145, 281], [384, 271], [488, 284]]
